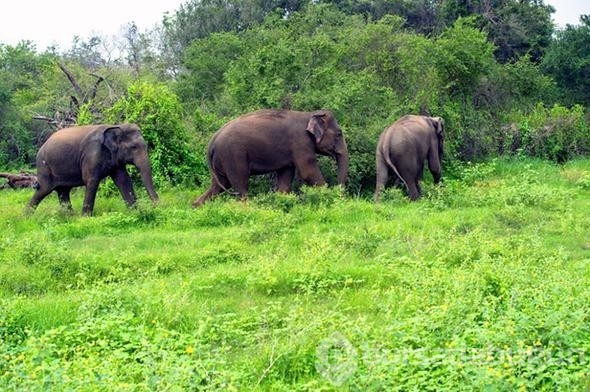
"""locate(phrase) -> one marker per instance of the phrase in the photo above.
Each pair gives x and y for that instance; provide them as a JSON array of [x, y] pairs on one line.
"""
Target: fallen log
[[21, 180]]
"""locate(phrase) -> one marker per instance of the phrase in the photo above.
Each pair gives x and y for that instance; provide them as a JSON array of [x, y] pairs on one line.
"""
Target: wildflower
[[189, 350]]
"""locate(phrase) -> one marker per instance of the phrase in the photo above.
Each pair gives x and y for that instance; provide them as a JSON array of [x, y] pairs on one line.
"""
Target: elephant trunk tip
[[342, 163]]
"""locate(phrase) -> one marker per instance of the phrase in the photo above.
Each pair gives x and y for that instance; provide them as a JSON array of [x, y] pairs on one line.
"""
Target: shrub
[[157, 111], [556, 133]]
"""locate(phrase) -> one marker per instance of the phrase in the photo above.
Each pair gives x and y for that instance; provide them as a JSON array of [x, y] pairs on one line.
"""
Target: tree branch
[[72, 80], [95, 87]]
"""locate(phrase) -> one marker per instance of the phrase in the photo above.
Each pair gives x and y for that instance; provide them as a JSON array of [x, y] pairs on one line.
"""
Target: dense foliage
[[494, 71], [568, 62]]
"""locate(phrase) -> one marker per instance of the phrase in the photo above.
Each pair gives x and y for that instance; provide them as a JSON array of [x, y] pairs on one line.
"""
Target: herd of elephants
[[281, 141]]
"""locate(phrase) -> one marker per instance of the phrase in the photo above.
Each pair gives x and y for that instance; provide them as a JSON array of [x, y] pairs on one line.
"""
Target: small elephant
[[85, 155], [281, 141], [404, 146]]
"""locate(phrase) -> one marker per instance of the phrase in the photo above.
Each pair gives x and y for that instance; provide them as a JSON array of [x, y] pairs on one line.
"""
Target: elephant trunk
[[145, 170], [342, 163]]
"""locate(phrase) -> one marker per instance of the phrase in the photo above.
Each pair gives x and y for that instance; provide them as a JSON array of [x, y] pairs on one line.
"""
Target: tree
[[157, 111], [199, 18], [568, 61], [205, 63], [518, 28], [465, 55], [22, 73]]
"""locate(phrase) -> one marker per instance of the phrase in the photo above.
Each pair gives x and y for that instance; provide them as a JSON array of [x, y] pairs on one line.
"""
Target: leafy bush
[[465, 55], [556, 133], [157, 111]]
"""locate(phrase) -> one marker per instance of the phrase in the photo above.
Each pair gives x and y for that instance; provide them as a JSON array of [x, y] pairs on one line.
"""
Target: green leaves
[[465, 56], [156, 109], [556, 133], [568, 61]]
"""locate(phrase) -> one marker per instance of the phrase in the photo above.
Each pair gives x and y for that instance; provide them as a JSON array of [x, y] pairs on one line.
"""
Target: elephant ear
[[316, 125], [112, 138], [439, 126]]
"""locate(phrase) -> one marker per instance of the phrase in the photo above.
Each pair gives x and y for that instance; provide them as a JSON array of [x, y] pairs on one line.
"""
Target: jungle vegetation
[[504, 78]]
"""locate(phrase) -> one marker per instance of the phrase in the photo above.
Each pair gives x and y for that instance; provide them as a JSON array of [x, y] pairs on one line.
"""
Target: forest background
[[506, 80]]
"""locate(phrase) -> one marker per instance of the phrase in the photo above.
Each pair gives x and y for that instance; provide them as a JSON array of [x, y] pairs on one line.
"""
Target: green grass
[[483, 284]]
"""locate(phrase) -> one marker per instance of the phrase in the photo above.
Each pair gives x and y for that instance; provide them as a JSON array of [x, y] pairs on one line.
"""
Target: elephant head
[[329, 141], [127, 146], [438, 124]]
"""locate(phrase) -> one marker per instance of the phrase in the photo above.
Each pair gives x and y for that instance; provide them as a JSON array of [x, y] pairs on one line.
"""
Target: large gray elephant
[[403, 148], [85, 155], [281, 141]]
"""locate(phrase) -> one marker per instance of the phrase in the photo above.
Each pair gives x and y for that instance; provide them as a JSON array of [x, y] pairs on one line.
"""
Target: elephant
[[402, 149], [84, 155], [281, 141]]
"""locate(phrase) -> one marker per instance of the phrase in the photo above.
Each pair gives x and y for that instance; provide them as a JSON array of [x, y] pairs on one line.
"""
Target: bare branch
[[95, 87], [72, 79]]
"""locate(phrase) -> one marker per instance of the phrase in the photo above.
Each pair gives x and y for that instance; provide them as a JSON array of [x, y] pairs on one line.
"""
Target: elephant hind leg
[[381, 177], [40, 194], [285, 179], [239, 182], [63, 194], [214, 189], [413, 190]]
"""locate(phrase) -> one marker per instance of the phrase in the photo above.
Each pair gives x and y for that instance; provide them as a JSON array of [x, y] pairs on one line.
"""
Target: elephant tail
[[389, 162]]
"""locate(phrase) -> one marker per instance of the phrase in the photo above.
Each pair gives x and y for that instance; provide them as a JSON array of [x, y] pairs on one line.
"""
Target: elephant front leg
[[90, 196], [434, 165], [285, 179], [123, 181], [310, 172]]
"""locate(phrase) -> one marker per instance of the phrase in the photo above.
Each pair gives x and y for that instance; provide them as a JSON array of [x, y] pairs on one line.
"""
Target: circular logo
[[336, 358]]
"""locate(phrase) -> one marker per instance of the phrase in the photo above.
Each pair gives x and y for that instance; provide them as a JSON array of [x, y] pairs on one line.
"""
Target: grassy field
[[484, 284]]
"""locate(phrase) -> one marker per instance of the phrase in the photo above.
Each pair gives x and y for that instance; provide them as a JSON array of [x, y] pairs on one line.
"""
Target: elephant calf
[[281, 141], [403, 148], [85, 155]]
